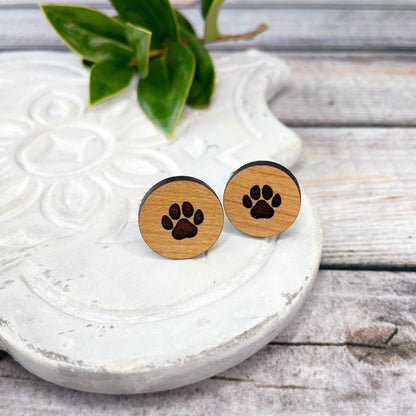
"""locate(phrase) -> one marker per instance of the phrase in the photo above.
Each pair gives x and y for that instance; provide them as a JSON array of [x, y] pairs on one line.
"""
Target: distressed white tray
[[83, 301]]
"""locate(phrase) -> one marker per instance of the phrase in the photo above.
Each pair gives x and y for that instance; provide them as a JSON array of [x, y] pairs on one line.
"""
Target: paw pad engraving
[[182, 227], [180, 217], [262, 198], [263, 207]]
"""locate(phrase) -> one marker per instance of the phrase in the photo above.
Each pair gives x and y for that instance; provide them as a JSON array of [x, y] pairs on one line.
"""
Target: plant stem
[[152, 53], [156, 52], [242, 36]]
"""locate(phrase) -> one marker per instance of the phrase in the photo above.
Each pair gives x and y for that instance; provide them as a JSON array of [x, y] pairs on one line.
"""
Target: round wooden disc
[[180, 217], [262, 199]]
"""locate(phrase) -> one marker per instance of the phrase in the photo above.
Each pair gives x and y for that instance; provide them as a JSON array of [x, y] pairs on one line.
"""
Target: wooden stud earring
[[180, 217], [262, 199]]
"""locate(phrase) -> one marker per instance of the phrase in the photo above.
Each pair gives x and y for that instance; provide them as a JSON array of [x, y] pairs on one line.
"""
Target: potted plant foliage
[[151, 39]]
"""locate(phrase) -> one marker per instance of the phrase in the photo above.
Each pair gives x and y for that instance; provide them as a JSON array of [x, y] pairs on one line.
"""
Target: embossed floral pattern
[[66, 168], [69, 160]]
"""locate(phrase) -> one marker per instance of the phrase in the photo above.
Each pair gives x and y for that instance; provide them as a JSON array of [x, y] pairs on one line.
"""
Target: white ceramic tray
[[83, 301]]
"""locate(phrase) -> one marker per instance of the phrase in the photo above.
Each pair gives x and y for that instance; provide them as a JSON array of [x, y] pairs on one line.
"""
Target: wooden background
[[352, 349]]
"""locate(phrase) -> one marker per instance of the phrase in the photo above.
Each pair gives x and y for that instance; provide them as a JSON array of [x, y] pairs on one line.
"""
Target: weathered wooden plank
[[92, 3], [349, 89], [357, 308], [351, 350], [357, 4], [289, 29], [363, 184], [246, 3]]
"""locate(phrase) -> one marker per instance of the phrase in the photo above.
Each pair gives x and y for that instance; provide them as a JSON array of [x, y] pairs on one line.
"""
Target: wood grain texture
[[351, 350], [180, 217], [289, 29], [389, 4], [93, 3], [262, 199], [362, 183], [305, 4], [348, 89]]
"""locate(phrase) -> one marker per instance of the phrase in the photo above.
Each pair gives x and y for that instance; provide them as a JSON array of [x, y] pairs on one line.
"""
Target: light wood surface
[[262, 199], [180, 217], [352, 348]]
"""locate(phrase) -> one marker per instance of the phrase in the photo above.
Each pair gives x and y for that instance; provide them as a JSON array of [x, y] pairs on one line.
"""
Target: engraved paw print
[[262, 208], [184, 228]]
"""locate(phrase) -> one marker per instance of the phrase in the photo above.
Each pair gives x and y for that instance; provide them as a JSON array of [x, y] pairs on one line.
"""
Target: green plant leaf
[[94, 35], [205, 5], [154, 15], [87, 64], [203, 83], [210, 10], [118, 19], [184, 24], [204, 79], [140, 39], [107, 78], [163, 93]]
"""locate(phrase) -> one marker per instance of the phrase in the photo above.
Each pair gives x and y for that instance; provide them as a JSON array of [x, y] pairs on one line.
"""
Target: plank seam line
[[244, 46], [267, 386], [383, 346], [329, 344], [260, 6], [410, 268], [8, 376], [346, 124], [357, 56]]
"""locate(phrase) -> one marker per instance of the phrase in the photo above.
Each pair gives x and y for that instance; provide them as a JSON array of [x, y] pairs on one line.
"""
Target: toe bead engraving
[[262, 199], [183, 228], [180, 217], [261, 209]]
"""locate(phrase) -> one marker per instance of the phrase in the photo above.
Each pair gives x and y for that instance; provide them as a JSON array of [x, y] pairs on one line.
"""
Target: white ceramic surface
[[83, 301]]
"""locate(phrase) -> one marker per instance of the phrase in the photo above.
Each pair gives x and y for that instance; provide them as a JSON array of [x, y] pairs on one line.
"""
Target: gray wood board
[[362, 183], [289, 29], [245, 3], [349, 89], [351, 350]]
